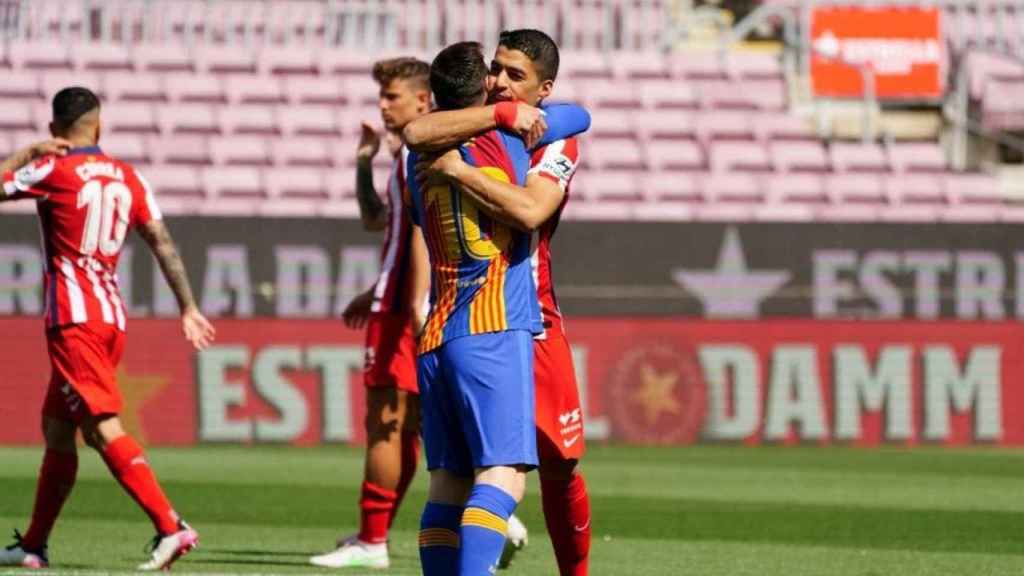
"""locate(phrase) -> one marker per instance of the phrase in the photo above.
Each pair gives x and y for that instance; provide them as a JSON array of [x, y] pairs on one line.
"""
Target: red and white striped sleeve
[[557, 161], [28, 181], [146, 209]]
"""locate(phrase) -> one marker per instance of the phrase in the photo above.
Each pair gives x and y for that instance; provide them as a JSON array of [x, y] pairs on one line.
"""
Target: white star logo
[[731, 290]]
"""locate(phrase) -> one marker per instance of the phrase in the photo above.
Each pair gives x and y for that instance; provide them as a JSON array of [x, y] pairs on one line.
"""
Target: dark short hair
[[538, 47], [457, 75], [405, 68], [72, 103]]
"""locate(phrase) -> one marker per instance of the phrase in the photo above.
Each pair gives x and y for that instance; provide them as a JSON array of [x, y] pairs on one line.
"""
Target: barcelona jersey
[[482, 280]]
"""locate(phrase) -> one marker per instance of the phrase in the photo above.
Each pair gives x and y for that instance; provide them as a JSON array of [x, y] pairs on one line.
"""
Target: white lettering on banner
[[887, 387], [730, 372], [20, 271], [269, 381], [358, 270], [595, 427], [303, 283], [978, 282], [794, 395], [336, 364], [979, 387], [227, 273], [217, 395], [884, 55]]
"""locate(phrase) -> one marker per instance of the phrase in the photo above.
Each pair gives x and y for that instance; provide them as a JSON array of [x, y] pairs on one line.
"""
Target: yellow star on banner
[[137, 390], [656, 393]]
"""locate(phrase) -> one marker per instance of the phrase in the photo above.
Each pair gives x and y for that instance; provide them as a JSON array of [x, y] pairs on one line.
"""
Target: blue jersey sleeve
[[564, 120], [413, 187]]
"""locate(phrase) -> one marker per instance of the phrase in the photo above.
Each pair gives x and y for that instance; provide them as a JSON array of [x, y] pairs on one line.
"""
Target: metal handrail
[[958, 111]]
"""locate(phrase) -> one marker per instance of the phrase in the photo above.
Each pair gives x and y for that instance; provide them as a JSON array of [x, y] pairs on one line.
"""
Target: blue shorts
[[476, 401]]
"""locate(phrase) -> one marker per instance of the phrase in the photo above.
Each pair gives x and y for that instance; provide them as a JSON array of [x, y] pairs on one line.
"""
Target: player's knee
[[447, 488], [101, 432], [512, 480], [59, 435]]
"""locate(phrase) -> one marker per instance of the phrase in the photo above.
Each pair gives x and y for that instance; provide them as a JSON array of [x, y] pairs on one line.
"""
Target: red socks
[[567, 514], [376, 506], [127, 463], [56, 478], [410, 460]]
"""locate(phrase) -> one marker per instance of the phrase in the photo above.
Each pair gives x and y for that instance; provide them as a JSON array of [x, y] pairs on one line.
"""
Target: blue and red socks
[[484, 527], [439, 538]]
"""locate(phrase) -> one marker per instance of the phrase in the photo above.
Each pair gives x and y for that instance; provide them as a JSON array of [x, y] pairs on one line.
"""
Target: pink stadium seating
[[21, 85], [249, 119], [17, 115], [135, 86], [321, 90], [697, 65], [613, 124], [672, 94], [311, 152], [254, 90], [40, 56], [190, 150], [856, 189], [170, 57], [346, 62], [135, 117], [620, 153], [920, 189], [739, 156], [188, 119], [102, 57], [240, 151], [585, 65], [296, 183], [223, 59], [672, 187], [733, 187], [630, 66], [917, 157], [796, 189], [362, 93], [724, 125], [290, 60], [610, 185], [665, 124], [309, 121], [195, 88], [182, 181], [233, 182], [799, 156], [128, 147], [608, 94], [755, 65], [774, 126], [973, 189], [56, 81], [684, 155], [341, 182], [850, 157]]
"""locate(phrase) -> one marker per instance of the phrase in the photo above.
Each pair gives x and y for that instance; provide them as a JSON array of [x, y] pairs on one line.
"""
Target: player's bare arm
[[357, 313], [198, 330], [372, 210], [522, 207], [448, 128], [15, 161], [419, 287]]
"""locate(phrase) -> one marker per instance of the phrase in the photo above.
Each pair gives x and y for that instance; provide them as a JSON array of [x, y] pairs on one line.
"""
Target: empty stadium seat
[[240, 151], [739, 156], [135, 86], [856, 189], [189, 150], [320, 90], [608, 94], [613, 124], [973, 189], [21, 85], [618, 153], [799, 156], [188, 119], [916, 189], [290, 60], [128, 147], [724, 125], [242, 89], [850, 157], [693, 65], [672, 94], [733, 187], [310, 120], [585, 66], [296, 183], [195, 88], [302, 152], [249, 119], [346, 62], [39, 55], [56, 80], [665, 124], [672, 187], [102, 57], [683, 155], [138, 117], [796, 189], [772, 126], [631, 66], [17, 115], [917, 157], [169, 57], [225, 59], [233, 182], [174, 181]]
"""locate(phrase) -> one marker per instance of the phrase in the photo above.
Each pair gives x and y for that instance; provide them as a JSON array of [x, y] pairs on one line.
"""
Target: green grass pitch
[[707, 510]]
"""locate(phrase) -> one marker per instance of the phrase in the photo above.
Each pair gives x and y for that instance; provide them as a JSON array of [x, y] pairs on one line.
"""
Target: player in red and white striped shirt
[[392, 396], [87, 203], [522, 75]]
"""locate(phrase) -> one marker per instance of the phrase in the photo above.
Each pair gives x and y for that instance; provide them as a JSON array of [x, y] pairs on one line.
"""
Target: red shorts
[[559, 417], [84, 359], [390, 352]]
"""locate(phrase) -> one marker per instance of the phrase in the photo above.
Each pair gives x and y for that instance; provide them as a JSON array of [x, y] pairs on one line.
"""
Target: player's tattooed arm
[[419, 268], [442, 130], [522, 207], [371, 209], [58, 146], [196, 327]]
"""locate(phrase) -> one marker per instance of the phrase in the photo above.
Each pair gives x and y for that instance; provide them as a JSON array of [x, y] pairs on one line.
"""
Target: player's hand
[[198, 330], [369, 143], [445, 165], [394, 142], [56, 146], [530, 124], [357, 313]]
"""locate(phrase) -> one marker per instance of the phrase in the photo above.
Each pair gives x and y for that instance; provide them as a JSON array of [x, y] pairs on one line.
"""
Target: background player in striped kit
[[524, 69], [87, 202], [392, 397], [476, 352]]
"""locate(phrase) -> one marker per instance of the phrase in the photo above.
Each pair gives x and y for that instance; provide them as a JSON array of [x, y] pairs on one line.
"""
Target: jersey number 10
[[106, 221]]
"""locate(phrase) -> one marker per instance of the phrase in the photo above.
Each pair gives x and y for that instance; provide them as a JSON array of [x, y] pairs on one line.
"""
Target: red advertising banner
[[642, 380], [901, 44]]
